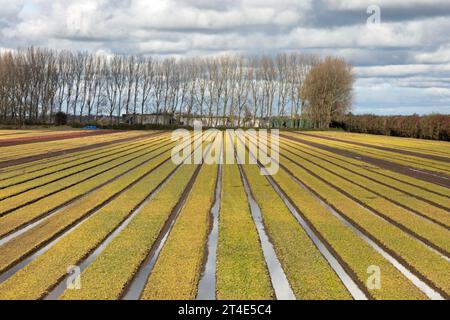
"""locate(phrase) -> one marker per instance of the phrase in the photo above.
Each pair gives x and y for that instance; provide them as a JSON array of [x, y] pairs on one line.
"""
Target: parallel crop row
[[109, 274], [24, 198], [400, 182], [15, 152], [415, 162], [34, 281], [241, 269], [42, 233], [431, 232], [398, 197], [415, 254], [57, 165]]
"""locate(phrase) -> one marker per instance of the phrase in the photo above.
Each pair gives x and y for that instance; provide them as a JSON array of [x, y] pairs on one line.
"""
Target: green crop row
[[415, 162], [387, 174], [36, 279], [430, 231], [393, 195], [428, 263], [76, 159], [35, 210], [22, 245], [241, 269], [367, 171], [51, 188], [108, 275]]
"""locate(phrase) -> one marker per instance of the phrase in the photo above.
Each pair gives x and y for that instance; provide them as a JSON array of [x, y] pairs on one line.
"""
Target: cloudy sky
[[402, 63]]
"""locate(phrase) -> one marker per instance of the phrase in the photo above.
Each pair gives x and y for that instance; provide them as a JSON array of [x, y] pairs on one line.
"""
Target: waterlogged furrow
[[186, 243], [42, 233], [362, 169], [109, 274], [425, 209], [309, 274], [432, 232], [241, 269], [419, 257], [356, 253], [38, 277], [44, 206]]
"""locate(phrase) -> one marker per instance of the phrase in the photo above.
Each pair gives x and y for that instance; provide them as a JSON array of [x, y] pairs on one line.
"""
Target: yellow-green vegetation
[[19, 151], [20, 216], [59, 176], [15, 177], [73, 181], [115, 267], [432, 232], [185, 245], [241, 269], [428, 263], [412, 161], [352, 249], [398, 197], [309, 274], [361, 168], [383, 173], [439, 148], [18, 247], [34, 281]]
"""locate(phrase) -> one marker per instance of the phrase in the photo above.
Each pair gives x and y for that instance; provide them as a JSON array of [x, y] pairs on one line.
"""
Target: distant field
[[344, 209]]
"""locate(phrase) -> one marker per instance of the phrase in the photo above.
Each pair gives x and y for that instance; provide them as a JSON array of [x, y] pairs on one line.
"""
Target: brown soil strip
[[52, 137], [441, 180], [376, 193], [404, 152], [14, 162]]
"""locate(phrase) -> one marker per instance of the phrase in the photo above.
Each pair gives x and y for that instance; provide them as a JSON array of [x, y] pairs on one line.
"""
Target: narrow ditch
[[10, 271], [421, 285], [97, 157], [207, 283], [70, 175], [78, 182], [410, 210], [135, 288], [47, 215], [280, 283]]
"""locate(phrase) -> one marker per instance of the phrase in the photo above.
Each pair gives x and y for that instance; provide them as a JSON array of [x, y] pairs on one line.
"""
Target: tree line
[[432, 127], [37, 83]]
